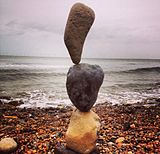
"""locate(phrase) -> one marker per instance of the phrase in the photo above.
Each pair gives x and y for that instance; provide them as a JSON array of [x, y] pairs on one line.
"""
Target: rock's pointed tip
[[76, 61]]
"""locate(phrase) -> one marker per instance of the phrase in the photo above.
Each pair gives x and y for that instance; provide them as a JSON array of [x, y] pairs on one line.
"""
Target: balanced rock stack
[[83, 83]]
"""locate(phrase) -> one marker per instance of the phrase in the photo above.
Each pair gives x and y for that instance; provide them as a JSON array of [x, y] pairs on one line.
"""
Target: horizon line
[[111, 58]]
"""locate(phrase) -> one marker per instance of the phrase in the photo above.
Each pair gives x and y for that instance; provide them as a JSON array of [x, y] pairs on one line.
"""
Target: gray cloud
[[16, 28], [125, 29]]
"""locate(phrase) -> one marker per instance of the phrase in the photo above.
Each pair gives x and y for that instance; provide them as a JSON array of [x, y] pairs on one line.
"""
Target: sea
[[41, 81]]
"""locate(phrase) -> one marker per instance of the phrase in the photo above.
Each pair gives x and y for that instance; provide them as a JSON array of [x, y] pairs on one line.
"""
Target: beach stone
[[133, 126], [80, 20], [83, 83], [120, 140], [5, 97], [16, 103], [110, 144], [126, 126], [81, 135], [7, 145], [64, 150]]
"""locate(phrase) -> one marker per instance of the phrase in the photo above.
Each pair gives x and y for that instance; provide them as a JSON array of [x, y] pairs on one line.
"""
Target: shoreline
[[61, 103], [41, 130]]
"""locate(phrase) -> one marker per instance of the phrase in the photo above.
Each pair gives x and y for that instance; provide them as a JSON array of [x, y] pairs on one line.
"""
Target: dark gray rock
[[16, 102], [64, 150], [126, 126], [83, 83], [5, 97], [79, 22]]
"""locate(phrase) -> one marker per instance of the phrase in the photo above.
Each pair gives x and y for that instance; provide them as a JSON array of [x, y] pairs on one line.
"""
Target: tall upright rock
[[80, 20]]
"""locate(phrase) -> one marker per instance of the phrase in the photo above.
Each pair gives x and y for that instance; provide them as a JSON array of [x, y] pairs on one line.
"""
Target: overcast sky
[[122, 28]]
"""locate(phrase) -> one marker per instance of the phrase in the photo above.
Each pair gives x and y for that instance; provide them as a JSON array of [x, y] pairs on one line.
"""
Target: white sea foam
[[40, 99]]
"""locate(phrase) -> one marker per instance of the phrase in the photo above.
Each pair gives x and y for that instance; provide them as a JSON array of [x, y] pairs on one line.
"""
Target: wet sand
[[125, 129]]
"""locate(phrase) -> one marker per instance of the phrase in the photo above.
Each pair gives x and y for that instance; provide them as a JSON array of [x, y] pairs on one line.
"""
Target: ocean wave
[[153, 85], [30, 76], [137, 70], [145, 69], [31, 72]]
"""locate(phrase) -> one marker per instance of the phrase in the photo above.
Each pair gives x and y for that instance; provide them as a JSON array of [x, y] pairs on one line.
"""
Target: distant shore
[[124, 128]]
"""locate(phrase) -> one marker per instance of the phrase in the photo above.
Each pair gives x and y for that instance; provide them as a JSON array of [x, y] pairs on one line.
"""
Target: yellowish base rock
[[81, 135]]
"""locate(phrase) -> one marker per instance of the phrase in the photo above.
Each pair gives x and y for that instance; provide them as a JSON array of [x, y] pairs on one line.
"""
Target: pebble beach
[[124, 129]]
